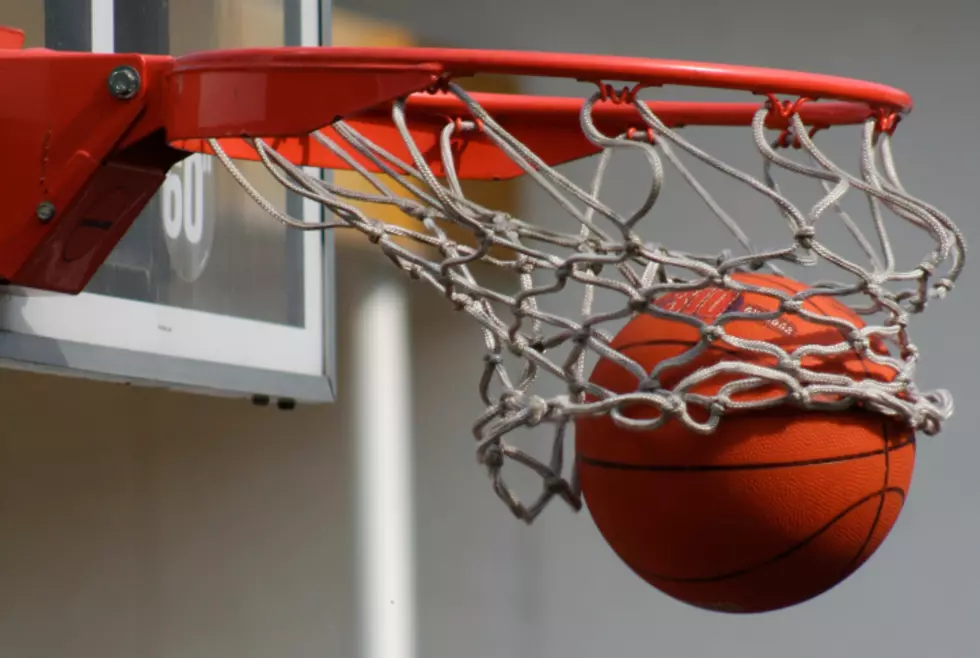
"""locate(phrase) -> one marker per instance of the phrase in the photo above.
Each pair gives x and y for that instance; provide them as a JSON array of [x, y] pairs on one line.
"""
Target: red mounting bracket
[[90, 137]]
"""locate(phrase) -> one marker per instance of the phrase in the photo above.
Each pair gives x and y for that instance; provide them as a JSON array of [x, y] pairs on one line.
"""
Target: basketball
[[773, 508]]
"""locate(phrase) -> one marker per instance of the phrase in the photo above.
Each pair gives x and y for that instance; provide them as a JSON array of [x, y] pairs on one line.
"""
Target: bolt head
[[124, 82], [45, 211]]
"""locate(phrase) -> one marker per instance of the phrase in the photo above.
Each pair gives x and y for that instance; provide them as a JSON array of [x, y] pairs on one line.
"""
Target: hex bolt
[[45, 211], [124, 82]]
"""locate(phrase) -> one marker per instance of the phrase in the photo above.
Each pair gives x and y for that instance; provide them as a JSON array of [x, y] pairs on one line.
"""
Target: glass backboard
[[206, 291]]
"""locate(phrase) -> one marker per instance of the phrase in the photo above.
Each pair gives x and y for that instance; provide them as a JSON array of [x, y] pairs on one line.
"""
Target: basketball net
[[538, 359]]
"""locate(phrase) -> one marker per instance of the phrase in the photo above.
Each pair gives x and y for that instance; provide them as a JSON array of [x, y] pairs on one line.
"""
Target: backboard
[[205, 292]]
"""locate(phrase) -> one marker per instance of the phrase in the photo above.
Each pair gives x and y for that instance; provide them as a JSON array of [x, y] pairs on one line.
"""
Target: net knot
[[874, 290], [555, 485], [517, 347], [930, 426], [711, 333], [639, 304], [633, 246], [789, 363], [900, 320], [538, 409], [375, 230], [859, 342], [804, 236], [793, 306], [801, 397], [524, 265], [491, 456], [672, 404], [942, 287], [500, 221], [582, 335]]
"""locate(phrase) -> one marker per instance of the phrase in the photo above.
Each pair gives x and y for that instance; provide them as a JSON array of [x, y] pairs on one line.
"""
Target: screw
[[124, 82], [45, 211]]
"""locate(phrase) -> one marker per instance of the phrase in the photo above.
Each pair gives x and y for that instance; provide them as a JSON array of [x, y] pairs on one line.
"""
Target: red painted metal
[[457, 63], [97, 159], [11, 38], [63, 136], [548, 126]]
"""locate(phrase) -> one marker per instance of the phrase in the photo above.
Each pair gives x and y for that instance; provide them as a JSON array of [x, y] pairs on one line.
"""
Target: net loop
[[572, 281]]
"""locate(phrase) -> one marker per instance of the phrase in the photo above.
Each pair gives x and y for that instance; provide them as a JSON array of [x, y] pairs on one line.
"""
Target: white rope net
[[537, 359]]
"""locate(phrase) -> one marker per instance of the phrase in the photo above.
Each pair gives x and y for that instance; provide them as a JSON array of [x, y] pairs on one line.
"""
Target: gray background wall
[[145, 523]]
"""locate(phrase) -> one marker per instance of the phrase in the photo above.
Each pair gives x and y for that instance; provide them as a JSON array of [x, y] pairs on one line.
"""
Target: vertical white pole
[[383, 439], [103, 26]]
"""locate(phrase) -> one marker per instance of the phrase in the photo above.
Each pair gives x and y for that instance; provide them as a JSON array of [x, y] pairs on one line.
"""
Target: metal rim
[[598, 69]]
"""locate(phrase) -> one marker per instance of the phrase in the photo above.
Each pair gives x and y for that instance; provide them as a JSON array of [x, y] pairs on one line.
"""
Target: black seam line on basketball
[[779, 556], [853, 564], [884, 428], [754, 466], [813, 300]]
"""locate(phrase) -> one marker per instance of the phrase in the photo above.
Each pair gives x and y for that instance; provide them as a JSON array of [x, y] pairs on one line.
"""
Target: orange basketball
[[773, 508]]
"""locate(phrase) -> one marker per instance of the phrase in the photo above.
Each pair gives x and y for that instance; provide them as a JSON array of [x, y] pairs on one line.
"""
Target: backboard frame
[[99, 336]]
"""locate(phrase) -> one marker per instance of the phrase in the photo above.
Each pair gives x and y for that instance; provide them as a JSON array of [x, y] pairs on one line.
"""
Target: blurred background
[[137, 522]]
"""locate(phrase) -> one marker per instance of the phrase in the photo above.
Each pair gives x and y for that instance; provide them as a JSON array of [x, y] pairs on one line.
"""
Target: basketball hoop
[[400, 119]]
